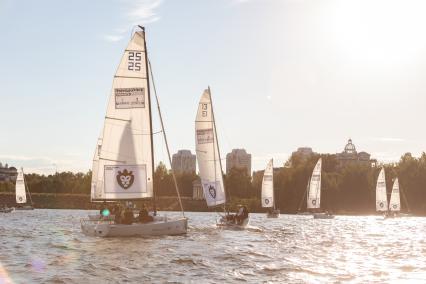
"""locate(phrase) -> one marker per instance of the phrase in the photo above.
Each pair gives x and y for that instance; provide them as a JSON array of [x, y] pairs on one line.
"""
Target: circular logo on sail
[[266, 201], [20, 198], [394, 206], [212, 191], [314, 202], [125, 179], [381, 205]]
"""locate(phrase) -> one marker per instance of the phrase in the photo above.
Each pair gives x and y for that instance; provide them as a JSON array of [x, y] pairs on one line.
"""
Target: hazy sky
[[283, 74]]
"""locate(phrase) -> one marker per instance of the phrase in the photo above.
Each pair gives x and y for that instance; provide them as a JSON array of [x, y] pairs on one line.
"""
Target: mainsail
[[21, 196], [381, 197], [123, 164], [314, 194], [207, 150], [268, 186], [395, 200]]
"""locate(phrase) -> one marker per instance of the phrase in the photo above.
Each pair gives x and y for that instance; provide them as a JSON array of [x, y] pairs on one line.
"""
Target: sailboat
[[381, 195], [314, 193], [210, 164], [21, 190], [123, 165], [268, 200], [395, 200]]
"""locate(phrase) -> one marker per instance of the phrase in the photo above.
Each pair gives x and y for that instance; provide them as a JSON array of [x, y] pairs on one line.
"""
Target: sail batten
[[314, 193], [395, 200], [208, 155], [268, 186], [122, 166], [381, 196]]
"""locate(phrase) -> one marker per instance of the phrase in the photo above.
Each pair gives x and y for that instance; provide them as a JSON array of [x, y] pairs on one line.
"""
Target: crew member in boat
[[127, 216], [144, 217], [242, 214]]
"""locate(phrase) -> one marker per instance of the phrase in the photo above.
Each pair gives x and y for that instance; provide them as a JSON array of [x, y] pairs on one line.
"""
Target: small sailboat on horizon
[[123, 165], [268, 199], [381, 195], [314, 193], [210, 165], [21, 190]]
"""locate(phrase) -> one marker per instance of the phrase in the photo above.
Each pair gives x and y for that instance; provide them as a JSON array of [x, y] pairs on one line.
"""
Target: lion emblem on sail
[[125, 179]]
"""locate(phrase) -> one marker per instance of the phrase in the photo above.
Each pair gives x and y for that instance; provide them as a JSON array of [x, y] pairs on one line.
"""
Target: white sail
[[381, 196], [96, 193], [124, 169], [207, 150], [395, 200], [314, 194], [268, 186], [21, 196]]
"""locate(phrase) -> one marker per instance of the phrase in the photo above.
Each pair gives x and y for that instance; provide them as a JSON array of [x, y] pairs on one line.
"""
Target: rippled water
[[47, 246]]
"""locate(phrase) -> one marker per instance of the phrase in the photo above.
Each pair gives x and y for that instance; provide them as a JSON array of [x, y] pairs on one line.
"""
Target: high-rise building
[[183, 162], [239, 159]]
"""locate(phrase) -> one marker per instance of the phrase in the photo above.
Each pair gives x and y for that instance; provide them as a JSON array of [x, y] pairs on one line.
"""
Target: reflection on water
[[47, 246]]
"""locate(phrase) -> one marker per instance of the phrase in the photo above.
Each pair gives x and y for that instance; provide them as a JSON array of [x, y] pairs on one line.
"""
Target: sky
[[283, 74]]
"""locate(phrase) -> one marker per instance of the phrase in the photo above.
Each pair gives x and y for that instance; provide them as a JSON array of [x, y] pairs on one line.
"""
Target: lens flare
[[105, 213], [4, 277]]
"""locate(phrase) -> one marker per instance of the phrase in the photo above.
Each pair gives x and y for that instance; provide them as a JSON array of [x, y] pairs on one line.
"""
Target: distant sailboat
[[209, 162], [381, 195], [395, 200], [268, 200], [21, 190], [314, 193], [123, 165]]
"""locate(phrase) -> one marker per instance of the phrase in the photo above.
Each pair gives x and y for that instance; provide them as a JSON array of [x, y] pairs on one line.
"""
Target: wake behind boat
[[210, 164], [123, 164]]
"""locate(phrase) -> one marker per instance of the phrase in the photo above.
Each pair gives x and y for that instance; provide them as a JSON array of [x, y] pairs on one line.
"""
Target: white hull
[[303, 213], [6, 210], [323, 216], [231, 225], [159, 227], [27, 207]]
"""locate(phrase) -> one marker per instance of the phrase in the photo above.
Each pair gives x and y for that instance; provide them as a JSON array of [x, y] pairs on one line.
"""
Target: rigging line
[[165, 137]]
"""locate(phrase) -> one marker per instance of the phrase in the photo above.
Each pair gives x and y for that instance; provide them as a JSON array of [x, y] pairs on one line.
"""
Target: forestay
[[123, 168], [381, 197], [207, 150], [268, 186], [21, 196], [395, 200], [314, 194]]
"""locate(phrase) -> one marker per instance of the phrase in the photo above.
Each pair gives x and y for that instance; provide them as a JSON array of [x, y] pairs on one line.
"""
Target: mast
[[217, 141], [273, 187], [150, 119]]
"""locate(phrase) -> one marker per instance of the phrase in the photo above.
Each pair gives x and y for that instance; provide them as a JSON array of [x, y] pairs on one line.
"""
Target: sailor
[[144, 217]]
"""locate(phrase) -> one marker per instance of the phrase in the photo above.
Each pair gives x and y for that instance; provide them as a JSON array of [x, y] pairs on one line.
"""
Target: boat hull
[[231, 225], [323, 216], [24, 208], [7, 210], [160, 227], [273, 214]]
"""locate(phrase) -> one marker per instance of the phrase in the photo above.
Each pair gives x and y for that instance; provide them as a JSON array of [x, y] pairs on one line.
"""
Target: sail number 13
[[135, 59]]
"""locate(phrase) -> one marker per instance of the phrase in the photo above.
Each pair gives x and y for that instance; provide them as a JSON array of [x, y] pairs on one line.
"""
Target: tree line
[[345, 189]]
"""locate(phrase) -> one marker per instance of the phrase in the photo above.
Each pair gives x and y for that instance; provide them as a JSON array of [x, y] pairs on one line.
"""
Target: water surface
[[47, 246]]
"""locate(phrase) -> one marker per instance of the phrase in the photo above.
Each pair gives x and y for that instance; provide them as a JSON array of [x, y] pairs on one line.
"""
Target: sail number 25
[[135, 59]]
